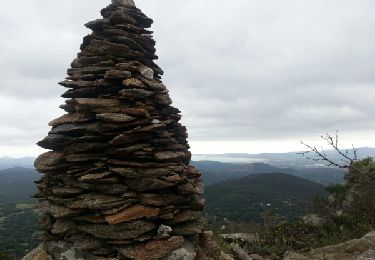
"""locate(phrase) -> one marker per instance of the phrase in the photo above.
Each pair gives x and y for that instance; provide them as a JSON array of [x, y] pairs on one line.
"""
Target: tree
[[351, 205], [346, 158]]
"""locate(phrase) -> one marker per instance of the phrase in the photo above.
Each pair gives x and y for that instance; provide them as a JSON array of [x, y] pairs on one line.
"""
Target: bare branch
[[345, 162]]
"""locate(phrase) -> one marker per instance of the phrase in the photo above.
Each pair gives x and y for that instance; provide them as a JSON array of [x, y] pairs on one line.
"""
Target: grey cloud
[[239, 70]]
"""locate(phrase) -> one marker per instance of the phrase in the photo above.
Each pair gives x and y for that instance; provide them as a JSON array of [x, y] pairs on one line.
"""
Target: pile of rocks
[[117, 182]]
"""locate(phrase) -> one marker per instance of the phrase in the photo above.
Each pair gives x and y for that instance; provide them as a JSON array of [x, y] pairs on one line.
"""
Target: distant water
[[225, 159]]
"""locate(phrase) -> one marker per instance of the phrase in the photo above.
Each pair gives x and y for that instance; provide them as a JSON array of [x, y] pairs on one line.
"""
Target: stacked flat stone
[[117, 181]]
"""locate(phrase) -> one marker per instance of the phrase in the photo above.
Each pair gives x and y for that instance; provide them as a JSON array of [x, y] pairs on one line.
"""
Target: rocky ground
[[358, 249]]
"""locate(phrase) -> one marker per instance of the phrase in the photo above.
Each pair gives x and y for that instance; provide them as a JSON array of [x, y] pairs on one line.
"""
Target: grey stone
[[148, 73], [368, 255], [164, 231], [123, 231], [357, 249], [186, 252]]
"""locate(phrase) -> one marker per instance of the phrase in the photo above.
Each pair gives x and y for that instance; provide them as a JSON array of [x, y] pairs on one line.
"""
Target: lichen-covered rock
[[60, 251], [38, 254], [357, 249], [156, 249], [209, 245], [186, 252], [123, 231], [131, 213]]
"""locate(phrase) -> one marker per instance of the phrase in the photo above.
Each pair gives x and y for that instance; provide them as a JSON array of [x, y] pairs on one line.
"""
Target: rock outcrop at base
[[358, 249], [117, 182], [157, 249]]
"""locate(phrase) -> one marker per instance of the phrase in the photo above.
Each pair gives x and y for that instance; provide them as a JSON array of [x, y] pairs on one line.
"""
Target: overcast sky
[[249, 75]]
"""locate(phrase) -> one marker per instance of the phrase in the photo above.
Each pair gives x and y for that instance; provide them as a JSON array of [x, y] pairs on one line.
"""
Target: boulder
[[357, 249]]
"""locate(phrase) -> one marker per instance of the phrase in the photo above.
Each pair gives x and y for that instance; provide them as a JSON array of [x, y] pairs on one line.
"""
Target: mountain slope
[[8, 162], [214, 172], [246, 198], [18, 222], [16, 184]]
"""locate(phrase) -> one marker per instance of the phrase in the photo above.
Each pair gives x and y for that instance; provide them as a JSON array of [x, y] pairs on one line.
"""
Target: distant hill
[[284, 160], [246, 198], [17, 184], [8, 162], [18, 222], [214, 172]]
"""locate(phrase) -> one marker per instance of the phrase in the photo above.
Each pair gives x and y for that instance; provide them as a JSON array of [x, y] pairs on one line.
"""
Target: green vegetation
[[18, 222], [345, 215], [18, 231], [4, 256], [351, 206], [246, 199]]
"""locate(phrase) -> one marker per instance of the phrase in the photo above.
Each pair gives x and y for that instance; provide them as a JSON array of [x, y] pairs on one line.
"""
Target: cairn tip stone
[[123, 2]]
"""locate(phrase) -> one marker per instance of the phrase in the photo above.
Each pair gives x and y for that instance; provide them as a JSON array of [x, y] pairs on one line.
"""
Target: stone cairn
[[117, 183]]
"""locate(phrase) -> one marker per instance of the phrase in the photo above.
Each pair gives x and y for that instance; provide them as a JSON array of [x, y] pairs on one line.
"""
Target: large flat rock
[[357, 249]]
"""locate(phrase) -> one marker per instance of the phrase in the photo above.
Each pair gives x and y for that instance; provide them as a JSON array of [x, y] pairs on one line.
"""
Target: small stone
[[94, 176], [136, 93], [164, 231], [114, 117], [147, 73], [63, 250], [135, 212], [97, 24], [86, 243], [170, 155], [186, 252], [71, 118], [109, 48], [189, 228], [96, 201], [155, 85], [117, 74], [174, 178], [61, 226], [97, 219], [209, 245], [160, 199], [38, 253], [147, 184], [133, 82], [96, 102], [48, 159], [123, 231], [66, 191], [56, 211], [152, 250], [185, 216]]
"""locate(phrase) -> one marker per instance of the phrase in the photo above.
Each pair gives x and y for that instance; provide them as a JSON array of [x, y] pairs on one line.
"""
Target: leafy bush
[[351, 206]]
